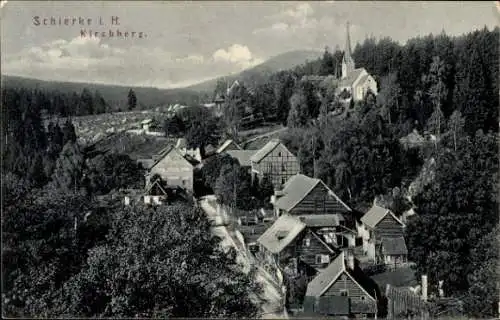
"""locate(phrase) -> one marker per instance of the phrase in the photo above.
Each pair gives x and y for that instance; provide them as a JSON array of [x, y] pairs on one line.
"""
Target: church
[[354, 83]]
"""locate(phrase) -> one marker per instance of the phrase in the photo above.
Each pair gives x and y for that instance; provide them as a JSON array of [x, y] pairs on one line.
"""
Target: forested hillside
[[442, 89]]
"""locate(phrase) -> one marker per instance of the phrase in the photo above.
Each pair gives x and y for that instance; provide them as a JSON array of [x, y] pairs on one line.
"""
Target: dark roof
[[243, 156], [275, 239], [394, 246], [297, 188], [328, 276], [265, 150]]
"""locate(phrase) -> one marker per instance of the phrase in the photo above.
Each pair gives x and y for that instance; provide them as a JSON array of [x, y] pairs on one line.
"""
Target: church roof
[[351, 77]]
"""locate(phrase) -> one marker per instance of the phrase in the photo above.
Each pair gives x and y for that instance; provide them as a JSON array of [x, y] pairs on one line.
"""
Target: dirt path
[[271, 298]]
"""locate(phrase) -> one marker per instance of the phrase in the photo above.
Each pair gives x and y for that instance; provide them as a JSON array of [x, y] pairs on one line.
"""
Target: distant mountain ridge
[[116, 95], [261, 72]]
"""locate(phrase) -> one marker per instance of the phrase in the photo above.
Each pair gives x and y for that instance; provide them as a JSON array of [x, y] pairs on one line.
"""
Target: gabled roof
[[265, 150], [326, 278], [226, 144], [297, 188], [321, 220], [157, 183], [167, 152], [283, 231], [394, 246], [243, 156], [351, 77], [375, 215]]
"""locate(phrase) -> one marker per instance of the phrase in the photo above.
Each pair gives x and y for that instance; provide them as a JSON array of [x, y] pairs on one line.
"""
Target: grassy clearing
[[402, 277]]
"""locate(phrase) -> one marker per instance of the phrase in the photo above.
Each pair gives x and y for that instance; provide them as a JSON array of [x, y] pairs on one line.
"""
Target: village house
[[342, 289], [376, 224], [173, 168], [155, 194], [294, 248], [275, 160], [319, 208], [393, 251]]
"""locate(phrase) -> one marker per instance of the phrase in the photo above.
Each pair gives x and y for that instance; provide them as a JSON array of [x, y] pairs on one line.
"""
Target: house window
[[363, 298], [283, 180], [322, 258], [279, 154], [344, 293], [283, 167], [306, 242]]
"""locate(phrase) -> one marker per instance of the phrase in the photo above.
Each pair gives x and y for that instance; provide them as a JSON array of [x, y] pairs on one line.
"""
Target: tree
[[69, 168], [455, 211], [437, 93], [100, 103], [173, 126], [164, 262], [237, 101], [482, 299], [389, 97], [298, 115], [456, 125], [69, 132], [132, 100], [212, 168], [266, 189], [113, 171], [201, 128], [86, 103]]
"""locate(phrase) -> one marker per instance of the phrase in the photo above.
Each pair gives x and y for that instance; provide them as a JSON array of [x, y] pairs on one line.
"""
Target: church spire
[[347, 61], [347, 42]]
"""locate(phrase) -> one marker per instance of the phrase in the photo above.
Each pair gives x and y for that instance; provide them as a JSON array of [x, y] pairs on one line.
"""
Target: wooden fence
[[404, 304]]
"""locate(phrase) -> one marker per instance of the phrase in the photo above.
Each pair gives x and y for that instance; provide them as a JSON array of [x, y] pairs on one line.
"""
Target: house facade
[[393, 251], [313, 203], [341, 290], [275, 160], [376, 224], [173, 169], [293, 247]]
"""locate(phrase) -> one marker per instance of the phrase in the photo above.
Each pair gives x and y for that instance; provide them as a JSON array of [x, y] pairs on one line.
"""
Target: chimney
[[350, 260], [424, 287]]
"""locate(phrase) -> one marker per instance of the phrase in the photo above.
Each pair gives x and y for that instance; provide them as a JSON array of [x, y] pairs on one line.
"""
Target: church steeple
[[347, 61]]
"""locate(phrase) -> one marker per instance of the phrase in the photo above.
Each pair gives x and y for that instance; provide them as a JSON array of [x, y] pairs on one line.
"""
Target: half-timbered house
[[275, 160]]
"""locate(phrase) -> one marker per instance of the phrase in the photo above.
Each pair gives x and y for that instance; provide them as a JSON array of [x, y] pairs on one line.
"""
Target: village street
[[272, 296]]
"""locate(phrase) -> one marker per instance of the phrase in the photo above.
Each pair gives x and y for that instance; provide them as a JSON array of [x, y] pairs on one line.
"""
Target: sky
[[175, 43]]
